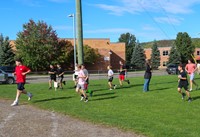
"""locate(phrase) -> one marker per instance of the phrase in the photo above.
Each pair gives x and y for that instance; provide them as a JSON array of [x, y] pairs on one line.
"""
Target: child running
[[183, 83], [110, 78], [80, 88], [20, 72]]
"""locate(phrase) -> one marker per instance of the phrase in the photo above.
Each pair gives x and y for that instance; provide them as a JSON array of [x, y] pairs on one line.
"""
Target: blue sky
[[148, 20]]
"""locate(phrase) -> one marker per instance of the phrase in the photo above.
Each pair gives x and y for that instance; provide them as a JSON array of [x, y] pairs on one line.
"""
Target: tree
[[38, 46], [174, 56], [90, 54], [155, 56], [6, 53], [138, 57], [129, 40], [184, 46]]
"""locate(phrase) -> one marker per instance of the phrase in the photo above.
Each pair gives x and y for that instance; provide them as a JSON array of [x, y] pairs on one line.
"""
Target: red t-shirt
[[18, 71]]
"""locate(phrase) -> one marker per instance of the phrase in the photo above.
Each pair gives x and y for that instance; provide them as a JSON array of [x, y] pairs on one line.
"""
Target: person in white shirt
[[110, 78], [80, 88]]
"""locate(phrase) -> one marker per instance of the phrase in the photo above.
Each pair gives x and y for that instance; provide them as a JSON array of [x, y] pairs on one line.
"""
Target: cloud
[[138, 6], [169, 20], [148, 28], [114, 30]]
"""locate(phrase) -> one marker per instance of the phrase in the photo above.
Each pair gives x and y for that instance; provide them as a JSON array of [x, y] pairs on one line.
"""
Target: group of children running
[[81, 79]]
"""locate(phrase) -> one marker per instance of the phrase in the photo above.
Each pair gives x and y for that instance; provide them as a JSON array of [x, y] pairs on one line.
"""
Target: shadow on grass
[[104, 98], [51, 99], [104, 94], [195, 98], [157, 89]]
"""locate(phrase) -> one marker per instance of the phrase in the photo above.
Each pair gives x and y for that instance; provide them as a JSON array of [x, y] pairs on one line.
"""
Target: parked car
[[6, 77], [172, 69], [9, 69]]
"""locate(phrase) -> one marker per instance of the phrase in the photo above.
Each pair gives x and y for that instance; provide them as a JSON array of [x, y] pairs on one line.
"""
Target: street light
[[74, 33]]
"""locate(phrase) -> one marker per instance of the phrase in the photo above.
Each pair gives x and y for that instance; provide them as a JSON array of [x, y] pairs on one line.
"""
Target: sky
[[148, 20]]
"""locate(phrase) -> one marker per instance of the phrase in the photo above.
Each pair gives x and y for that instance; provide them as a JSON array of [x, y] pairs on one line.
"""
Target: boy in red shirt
[[20, 72]]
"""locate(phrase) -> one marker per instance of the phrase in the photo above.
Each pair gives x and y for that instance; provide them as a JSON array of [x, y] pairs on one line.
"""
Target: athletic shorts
[[60, 79], [20, 86], [183, 85], [80, 86], [75, 77], [110, 79], [86, 86], [192, 76], [121, 77], [52, 78]]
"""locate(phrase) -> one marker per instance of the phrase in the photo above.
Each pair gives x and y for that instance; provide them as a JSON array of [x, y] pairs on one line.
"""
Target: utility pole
[[79, 31]]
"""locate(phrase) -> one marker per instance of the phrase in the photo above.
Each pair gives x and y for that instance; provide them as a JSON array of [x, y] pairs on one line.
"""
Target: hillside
[[169, 43]]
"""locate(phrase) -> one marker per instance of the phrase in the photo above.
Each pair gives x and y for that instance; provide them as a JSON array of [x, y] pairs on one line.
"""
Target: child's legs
[[179, 90]]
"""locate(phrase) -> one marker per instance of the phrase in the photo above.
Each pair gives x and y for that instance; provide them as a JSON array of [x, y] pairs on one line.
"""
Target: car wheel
[[10, 81]]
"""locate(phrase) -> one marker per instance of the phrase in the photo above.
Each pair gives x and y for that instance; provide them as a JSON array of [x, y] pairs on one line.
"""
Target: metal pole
[[74, 32], [79, 32]]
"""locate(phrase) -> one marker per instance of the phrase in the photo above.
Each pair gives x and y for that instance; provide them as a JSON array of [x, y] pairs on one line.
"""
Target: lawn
[[158, 113]]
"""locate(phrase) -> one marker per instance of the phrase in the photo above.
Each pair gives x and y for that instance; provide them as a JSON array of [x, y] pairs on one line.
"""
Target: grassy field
[[158, 113]]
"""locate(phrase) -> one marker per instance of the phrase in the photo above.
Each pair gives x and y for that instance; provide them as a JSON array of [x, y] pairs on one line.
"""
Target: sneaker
[[189, 100], [50, 88], [128, 82], [82, 98], [64, 82], [86, 100], [111, 89], [75, 86], [30, 96], [115, 86], [190, 90], [14, 104]]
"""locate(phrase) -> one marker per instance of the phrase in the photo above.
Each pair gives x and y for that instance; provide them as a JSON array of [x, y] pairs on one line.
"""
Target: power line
[[153, 19], [167, 17]]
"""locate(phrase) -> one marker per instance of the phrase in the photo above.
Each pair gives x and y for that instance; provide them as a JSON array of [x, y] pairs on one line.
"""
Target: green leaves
[[155, 56], [38, 46], [138, 57], [184, 46], [6, 52]]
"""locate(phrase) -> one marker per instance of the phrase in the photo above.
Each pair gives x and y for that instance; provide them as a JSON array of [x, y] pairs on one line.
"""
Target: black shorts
[[52, 78], [20, 86], [183, 85], [110, 79]]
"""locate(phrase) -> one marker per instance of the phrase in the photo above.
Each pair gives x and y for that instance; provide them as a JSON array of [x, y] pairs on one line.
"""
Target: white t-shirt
[[76, 70], [80, 79], [110, 73]]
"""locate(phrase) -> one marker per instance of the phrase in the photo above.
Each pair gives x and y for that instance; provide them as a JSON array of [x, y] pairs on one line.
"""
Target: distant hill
[[169, 43]]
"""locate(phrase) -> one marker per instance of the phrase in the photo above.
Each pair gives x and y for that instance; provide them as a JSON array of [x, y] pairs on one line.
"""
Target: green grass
[[158, 113]]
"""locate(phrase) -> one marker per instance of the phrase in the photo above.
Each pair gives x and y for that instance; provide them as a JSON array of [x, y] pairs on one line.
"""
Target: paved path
[[38, 79], [27, 121]]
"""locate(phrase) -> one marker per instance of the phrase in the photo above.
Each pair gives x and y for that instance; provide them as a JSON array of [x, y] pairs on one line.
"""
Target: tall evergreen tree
[[184, 46], [155, 56], [6, 53], [174, 56], [138, 57], [130, 41]]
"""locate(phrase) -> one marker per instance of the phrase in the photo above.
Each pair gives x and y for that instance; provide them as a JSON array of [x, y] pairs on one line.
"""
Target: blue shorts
[[20, 86]]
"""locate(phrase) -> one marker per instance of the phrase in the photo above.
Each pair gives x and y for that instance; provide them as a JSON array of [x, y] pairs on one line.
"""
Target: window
[[164, 63], [198, 52], [165, 53]]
